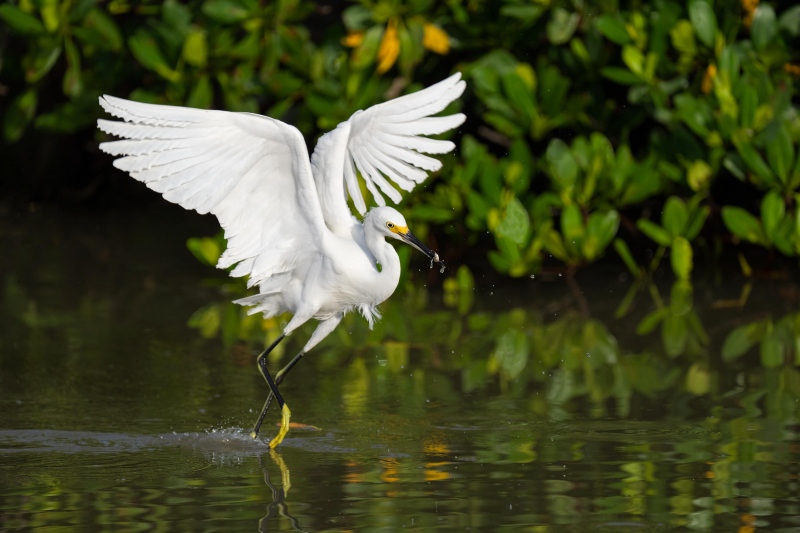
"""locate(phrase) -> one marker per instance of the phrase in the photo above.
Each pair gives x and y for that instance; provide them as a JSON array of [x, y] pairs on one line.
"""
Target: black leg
[[267, 351], [273, 385], [261, 362]]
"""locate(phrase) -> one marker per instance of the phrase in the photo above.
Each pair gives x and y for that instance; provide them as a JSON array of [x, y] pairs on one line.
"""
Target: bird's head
[[388, 222]]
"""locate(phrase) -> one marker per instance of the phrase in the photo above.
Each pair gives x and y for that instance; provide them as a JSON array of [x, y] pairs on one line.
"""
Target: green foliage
[[600, 119], [724, 110], [570, 357], [681, 329], [778, 227], [777, 341], [681, 222], [207, 249]]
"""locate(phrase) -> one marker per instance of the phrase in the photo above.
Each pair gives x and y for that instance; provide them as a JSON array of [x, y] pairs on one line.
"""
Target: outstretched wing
[[385, 141], [251, 171]]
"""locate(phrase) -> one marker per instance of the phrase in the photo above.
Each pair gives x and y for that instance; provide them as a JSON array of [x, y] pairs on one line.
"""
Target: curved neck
[[386, 255]]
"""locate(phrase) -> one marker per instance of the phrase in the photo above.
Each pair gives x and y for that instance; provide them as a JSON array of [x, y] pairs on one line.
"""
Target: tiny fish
[[435, 259]]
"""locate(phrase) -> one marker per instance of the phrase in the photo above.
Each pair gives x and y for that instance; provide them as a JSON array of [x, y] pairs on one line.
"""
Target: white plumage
[[285, 216]]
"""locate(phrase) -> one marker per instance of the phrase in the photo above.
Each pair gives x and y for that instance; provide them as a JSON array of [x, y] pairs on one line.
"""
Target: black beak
[[411, 239]]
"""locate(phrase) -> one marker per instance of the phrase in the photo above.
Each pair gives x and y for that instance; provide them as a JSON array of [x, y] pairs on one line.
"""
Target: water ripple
[[232, 441]]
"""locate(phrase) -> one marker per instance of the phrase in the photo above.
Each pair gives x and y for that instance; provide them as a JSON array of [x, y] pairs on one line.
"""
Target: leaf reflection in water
[[521, 408]]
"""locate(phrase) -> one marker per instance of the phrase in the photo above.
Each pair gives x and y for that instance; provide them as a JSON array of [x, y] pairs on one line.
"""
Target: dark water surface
[[604, 406]]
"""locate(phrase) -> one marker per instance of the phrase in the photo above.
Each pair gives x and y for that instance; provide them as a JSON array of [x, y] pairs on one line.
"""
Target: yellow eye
[[389, 225]]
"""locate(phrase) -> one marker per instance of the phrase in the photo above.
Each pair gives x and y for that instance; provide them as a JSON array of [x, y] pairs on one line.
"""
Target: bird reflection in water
[[278, 506]]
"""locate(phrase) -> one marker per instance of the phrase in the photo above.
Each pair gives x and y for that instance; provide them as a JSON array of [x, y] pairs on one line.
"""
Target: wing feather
[[420, 144], [409, 156], [140, 113], [385, 143], [409, 171], [158, 160], [140, 147], [351, 179], [374, 175], [425, 126], [142, 131], [435, 93], [251, 172], [435, 104], [380, 162]]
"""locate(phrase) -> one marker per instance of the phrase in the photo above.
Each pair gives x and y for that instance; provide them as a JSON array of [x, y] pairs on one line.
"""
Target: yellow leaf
[[435, 39], [749, 7], [389, 49], [353, 39], [708, 79], [792, 69]]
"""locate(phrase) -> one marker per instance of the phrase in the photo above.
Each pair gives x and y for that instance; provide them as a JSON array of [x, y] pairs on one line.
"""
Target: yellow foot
[[285, 476], [286, 417]]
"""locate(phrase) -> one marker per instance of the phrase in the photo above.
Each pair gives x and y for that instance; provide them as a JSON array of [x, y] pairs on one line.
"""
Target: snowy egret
[[285, 216]]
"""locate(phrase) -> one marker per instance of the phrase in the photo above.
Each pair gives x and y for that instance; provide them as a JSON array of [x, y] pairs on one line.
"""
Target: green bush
[[584, 118]]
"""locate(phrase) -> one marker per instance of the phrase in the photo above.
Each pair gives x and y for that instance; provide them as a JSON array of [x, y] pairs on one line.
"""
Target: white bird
[[286, 217]]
